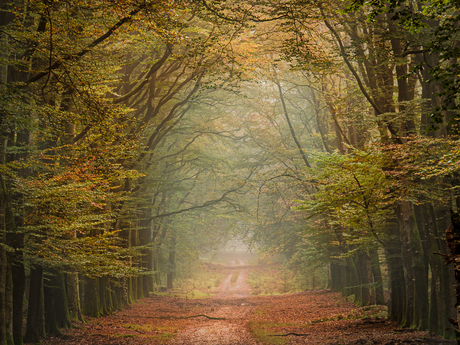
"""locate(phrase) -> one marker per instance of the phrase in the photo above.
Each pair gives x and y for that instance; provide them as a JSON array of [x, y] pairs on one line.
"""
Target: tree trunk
[[421, 300], [19, 282], [49, 290], [103, 307], [140, 287], [61, 302], [3, 316], [393, 256], [336, 278], [73, 296], [108, 295], [433, 324], [171, 264], [156, 267], [377, 276], [9, 305], [130, 294], [35, 320], [354, 283], [91, 305], [364, 272], [404, 214], [441, 219]]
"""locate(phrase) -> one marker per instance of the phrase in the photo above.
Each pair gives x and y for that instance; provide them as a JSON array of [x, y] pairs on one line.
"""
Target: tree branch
[[350, 66], [102, 38], [409, 52], [206, 204], [153, 69], [286, 115], [236, 20]]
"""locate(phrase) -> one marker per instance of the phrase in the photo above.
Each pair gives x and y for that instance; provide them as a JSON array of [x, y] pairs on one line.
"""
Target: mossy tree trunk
[[91, 305], [73, 296]]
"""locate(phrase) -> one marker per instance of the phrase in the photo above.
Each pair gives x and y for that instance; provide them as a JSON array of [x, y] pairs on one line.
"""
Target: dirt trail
[[229, 303]]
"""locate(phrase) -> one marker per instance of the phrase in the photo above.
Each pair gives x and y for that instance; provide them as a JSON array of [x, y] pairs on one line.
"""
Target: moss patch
[[263, 332]]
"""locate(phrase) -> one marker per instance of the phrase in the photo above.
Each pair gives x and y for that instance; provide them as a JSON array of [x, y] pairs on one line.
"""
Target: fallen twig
[[405, 330], [181, 317], [285, 335]]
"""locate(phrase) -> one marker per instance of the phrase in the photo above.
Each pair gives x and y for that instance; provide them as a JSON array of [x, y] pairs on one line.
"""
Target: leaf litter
[[234, 317]]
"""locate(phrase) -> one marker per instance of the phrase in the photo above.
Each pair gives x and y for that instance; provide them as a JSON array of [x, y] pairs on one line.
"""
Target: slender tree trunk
[[156, 266], [364, 272], [3, 316], [9, 305], [171, 264], [19, 281], [433, 324], [291, 128], [145, 238], [377, 275]]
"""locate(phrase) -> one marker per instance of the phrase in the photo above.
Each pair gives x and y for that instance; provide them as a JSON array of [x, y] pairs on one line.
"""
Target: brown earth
[[233, 316]]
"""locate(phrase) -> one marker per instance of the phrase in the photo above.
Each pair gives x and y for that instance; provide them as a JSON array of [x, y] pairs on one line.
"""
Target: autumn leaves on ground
[[230, 311]]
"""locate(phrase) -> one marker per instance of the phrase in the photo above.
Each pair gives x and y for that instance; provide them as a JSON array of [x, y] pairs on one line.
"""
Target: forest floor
[[232, 316]]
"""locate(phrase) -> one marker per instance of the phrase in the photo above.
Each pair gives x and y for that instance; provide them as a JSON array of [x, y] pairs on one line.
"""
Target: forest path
[[231, 303], [234, 317]]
